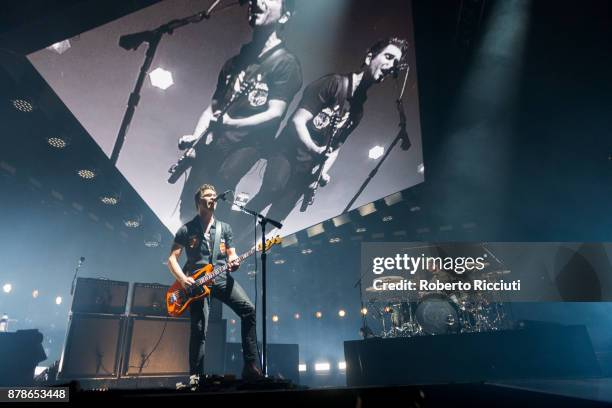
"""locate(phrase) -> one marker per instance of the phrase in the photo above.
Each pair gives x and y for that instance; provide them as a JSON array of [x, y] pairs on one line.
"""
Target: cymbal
[[390, 279]]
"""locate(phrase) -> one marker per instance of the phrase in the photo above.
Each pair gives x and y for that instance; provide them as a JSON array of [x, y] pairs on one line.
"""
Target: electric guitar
[[311, 191], [186, 160], [178, 298]]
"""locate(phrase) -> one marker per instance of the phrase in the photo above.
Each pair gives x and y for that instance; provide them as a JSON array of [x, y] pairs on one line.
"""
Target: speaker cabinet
[[149, 299], [157, 346], [100, 296], [92, 347]]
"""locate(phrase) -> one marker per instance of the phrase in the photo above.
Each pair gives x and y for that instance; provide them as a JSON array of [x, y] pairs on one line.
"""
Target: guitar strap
[[215, 242]]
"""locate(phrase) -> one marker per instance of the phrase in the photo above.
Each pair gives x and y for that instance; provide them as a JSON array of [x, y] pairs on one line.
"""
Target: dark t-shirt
[[322, 98], [276, 75], [198, 248]]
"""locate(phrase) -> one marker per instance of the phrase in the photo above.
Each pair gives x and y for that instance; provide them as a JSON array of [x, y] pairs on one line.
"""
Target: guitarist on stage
[[240, 137], [330, 109], [207, 240]]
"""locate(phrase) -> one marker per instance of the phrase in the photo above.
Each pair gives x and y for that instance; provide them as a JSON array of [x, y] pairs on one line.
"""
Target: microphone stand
[[152, 37], [263, 220], [401, 135], [76, 272]]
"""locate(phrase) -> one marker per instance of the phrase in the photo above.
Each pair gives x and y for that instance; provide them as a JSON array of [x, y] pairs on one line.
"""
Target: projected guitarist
[[330, 109], [253, 91], [207, 240]]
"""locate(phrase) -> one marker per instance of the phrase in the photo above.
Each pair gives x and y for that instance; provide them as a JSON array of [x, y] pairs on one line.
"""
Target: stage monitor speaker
[[283, 360], [20, 353], [92, 347], [149, 299], [100, 296], [537, 351], [156, 346]]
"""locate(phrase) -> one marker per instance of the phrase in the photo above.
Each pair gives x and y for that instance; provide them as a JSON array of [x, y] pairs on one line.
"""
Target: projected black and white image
[[302, 123]]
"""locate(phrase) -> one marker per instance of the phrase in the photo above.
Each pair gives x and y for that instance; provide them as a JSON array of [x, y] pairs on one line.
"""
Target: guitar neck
[[219, 270]]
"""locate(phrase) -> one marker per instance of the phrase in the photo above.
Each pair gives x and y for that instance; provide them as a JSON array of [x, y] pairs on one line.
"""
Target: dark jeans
[[284, 183], [232, 294]]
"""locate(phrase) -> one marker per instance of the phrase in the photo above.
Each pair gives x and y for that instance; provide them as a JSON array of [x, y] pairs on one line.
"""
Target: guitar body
[[179, 299]]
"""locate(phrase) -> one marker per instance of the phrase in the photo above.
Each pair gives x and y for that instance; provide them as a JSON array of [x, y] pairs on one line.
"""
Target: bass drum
[[437, 314]]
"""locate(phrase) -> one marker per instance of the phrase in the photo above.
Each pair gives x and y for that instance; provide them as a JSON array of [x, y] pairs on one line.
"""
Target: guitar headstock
[[271, 242]]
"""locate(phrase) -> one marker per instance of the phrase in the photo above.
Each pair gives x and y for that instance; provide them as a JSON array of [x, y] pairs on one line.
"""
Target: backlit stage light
[[279, 262], [318, 315], [360, 230], [60, 47], [341, 313], [57, 142], [296, 316], [341, 365], [132, 223], [22, 105], [7, 288], [35, 293], [160, 78], [275, 318], [86, 174], [376, 152], [109, 199], [364, 311], [387, 218], [322, 367], [58, 300], [306, 251], [302, 368], [334, 240]]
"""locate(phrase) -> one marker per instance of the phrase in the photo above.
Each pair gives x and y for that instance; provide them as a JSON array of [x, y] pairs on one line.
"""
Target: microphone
[[223, 196]]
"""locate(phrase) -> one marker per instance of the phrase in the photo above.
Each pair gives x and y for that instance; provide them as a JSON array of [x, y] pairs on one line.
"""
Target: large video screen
[[312, 119]]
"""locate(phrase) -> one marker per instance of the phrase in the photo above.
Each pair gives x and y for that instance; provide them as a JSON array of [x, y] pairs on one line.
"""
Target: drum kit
[[433, 313]]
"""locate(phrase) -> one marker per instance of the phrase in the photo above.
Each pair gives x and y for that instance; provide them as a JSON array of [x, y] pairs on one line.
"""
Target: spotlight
[[275, 318], [302, 368], [334, 240], [22, 105], [35, 293], [110, 199], [341, 313], [296, 316], [387, 218], [306, 251], [376, 152], [154, 241], [322, 367], [57, 142], [364, 311], [58, 300], [86, 174], [7, 288], [133, 222], [318, 315], [279, 261], [359, 230], [161, 78], [60, 47], [341, 365]]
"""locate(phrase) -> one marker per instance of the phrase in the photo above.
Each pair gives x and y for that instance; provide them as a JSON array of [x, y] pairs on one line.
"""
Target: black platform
[[547, 351]]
